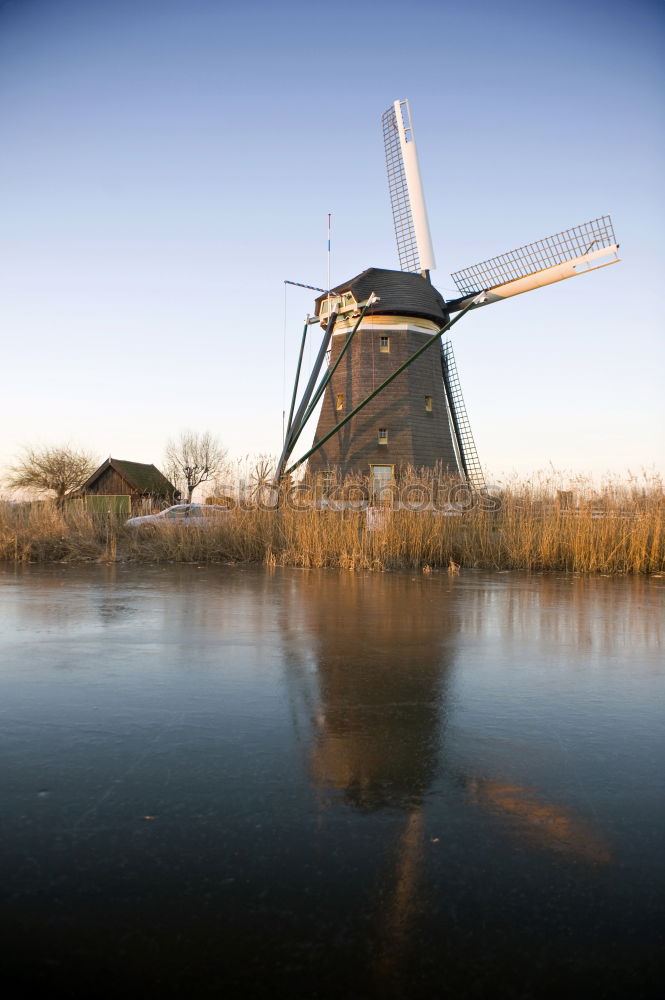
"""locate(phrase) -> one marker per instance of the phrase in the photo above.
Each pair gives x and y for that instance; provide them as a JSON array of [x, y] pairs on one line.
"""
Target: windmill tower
[[391, 391]]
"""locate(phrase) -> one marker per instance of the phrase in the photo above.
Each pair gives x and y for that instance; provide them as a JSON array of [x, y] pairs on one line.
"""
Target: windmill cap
[[400, 293]]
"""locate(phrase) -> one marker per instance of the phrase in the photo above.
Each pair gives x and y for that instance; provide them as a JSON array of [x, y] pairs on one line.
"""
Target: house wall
[[111, 483]]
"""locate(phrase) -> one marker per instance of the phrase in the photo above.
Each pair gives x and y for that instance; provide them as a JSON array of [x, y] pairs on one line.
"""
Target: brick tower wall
[[416, 436]]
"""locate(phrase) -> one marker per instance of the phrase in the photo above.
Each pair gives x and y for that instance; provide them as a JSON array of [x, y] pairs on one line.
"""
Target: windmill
[[391, 391]]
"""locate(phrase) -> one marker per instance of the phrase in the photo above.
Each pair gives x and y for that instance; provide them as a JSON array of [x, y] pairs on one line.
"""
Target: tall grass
[[617, 529]]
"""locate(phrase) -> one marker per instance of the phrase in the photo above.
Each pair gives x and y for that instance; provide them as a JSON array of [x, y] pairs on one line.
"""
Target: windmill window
[[428, 403], [384, 345], [339, 401], [383, 435]]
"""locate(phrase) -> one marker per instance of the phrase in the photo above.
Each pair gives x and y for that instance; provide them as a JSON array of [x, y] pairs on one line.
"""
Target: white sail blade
[[574, 251], [414, 243]]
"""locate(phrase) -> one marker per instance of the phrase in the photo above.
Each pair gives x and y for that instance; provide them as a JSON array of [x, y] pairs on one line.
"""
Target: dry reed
[[617, 529]]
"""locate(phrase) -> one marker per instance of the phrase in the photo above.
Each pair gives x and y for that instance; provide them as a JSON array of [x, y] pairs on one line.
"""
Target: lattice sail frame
[[414, 243], [583, 243]]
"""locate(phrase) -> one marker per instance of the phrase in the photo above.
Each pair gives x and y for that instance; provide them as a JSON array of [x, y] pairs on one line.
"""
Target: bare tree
[[58, 470], [193, 458]]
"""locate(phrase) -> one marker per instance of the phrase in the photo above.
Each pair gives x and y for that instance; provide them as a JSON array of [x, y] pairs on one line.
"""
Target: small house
[[127, 487]]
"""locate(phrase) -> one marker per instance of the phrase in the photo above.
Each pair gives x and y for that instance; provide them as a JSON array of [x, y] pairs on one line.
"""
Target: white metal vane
[[566, 254], [414, 243]]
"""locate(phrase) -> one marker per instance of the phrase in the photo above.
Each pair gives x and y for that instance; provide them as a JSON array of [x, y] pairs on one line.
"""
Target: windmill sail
[[408, 316], [414, 244], [460, 429], [567, 254]]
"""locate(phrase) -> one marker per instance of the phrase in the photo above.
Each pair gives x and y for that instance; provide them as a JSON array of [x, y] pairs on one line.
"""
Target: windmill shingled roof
[[401, 293]]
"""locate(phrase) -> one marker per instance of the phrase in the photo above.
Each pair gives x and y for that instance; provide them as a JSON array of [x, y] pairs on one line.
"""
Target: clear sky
[[166, 164]]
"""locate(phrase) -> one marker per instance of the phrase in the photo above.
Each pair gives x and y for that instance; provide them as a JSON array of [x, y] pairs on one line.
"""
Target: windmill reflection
[[380, 706], [383, 651], [382, 679], [541, 823]]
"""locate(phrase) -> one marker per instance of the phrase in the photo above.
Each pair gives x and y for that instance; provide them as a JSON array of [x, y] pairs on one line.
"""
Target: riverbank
[[617, 534]]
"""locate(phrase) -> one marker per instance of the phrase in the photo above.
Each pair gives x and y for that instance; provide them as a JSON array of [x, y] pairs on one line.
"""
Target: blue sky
[[166, 164]]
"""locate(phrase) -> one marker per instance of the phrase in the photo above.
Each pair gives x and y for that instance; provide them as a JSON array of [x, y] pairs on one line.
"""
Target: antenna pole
[[329, 263]]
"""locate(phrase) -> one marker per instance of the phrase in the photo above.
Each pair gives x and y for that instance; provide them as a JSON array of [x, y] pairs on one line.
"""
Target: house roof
[[401, 293], [143, 478]]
